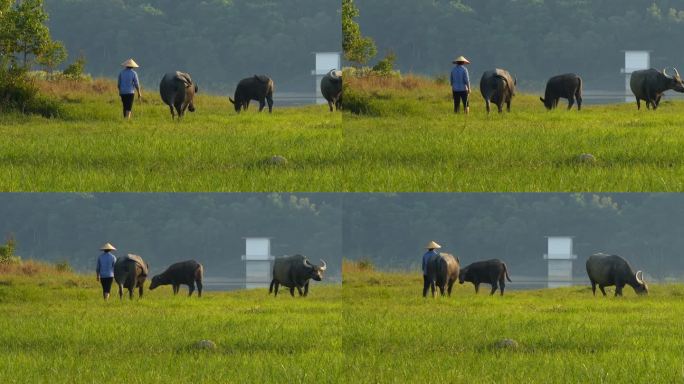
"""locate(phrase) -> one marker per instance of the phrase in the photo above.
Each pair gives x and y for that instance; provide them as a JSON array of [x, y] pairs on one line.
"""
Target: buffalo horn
[[676, 72], [324, 266], [306, 262], [640, 279]]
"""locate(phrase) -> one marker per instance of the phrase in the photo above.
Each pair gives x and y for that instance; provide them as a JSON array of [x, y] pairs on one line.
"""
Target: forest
[[217, 41], [165, 228], [534, 39], [391, 229]]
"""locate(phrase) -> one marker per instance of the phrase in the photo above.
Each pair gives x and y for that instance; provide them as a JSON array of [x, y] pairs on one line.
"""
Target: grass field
[[393, 335], [90, 147], [409, 140], [375, 329], [54, 327]]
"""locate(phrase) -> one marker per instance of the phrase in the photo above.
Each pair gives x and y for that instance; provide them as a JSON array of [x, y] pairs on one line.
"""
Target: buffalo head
[[675, 81], [640, 287], [235, 104], [547, 103], [316, 271], [462, 274]]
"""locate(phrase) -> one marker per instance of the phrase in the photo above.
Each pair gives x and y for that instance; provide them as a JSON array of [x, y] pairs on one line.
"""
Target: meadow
[[376, 328], [89, 147], [55, 327], [401, 135]]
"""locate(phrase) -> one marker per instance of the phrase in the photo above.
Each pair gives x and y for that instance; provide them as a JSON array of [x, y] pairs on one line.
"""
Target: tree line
[[534, 39]]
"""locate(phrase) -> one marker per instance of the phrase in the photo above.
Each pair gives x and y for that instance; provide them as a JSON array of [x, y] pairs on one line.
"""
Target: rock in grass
[[277, 160], [205, 345], [587, 158], [506, 344]]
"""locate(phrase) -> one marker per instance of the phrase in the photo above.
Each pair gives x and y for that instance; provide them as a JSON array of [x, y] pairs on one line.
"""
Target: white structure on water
[[634, 61], [258, 262], [559, 257], [325, 61]]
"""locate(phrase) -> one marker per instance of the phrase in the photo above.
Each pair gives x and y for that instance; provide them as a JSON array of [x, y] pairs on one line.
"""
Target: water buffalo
[[331, 88], [442, 270], [605, 270], [295, 272], [130, 272], [178, 91], [567, 86], [257, 87], [492, 272], [498, 86], [649, 85], [188, 273]]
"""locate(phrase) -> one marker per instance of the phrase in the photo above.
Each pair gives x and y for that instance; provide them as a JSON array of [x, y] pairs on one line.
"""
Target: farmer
[[426, 257], [105, 269], [460, 84], [128, 85]]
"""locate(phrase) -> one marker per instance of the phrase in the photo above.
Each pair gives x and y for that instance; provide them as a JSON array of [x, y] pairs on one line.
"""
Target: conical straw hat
[[461, 59], [107, 247], [433, 245], [130, 63]]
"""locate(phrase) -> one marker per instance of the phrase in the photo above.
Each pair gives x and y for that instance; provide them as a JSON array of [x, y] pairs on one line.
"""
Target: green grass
[[375, 329], [393, 335], [409, 141], [90, 147], [57, 329]]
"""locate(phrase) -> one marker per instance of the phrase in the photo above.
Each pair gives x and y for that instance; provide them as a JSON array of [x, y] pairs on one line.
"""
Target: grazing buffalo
[[295, 272], [257, 87], [442, 270], [567, 86], [130, 272], [331, 88], [187, 273], [492, 272], [605, 270], [498, 86], [649, 85], [178, 91]]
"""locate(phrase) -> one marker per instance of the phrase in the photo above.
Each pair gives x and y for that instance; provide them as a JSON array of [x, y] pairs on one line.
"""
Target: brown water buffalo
[[178, 91], [566, 86], [650, 84], [257, 87], [498, 86], [492, 272], [442, 270], [188, 272], [331, 89], [295, 272], [130, 272], [606, 270]]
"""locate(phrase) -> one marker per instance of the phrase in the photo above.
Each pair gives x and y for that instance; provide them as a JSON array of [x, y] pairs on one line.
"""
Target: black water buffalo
[[567, 86], [492, 272], [178, 91], [130, 272], [295, 272], [649, 85], [331, 88], [442, 270], [257, 87], [188, 273], [498, 86], [605, 270]]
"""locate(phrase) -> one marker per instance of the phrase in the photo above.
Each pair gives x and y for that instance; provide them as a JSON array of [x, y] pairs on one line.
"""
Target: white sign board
[[560, 246], [325, 61], [257, 248], [636, 60]]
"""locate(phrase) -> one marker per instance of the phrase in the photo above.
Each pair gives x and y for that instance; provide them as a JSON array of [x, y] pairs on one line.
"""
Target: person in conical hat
[[431, 246], [105, 269], [460, 84], [128, 84]]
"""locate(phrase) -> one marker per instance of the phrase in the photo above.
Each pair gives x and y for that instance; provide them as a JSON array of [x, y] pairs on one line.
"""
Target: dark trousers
[[106, 284], [127, 101], [460, 97], [426, 284]]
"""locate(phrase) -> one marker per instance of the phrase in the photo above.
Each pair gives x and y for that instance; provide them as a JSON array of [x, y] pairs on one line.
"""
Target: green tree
[[30, 34], [52, 55], [356, 47]]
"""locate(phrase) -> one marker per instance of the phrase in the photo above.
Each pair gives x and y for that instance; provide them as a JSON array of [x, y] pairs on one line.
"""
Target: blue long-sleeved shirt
[[460, 80], [427, 257], [128, 81], [105, 265]]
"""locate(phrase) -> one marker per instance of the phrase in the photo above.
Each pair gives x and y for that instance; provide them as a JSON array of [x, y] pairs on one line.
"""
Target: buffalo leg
[[502, 285], [269, 99], [173, 115], [618, 290], [638, 104], [495, 286], [120, 291], [140, 291], [571, 102], [292, 291], [176, 287], [579, 102], [275, 293], [180, 111], [593, 287], [487, 103], [199, 287], [191, 288], [477, 288], [432, 288], [130, 292], [451, 285], [603, 290], [262, 104], [426, 285], [330, 105], [499, 107], [306, 289], [299, 290], [270, 288], [508, 105], [441, 289]]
